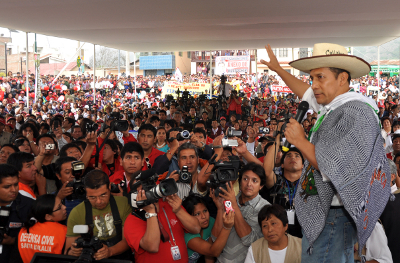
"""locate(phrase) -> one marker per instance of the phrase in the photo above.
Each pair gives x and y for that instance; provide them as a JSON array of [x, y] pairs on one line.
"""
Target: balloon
[[46, 88], [76, 88], [57, 87], [32, 95], [64, 87]]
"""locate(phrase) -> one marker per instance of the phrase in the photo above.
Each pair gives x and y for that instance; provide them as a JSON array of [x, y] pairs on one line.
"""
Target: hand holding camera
[[141, 196], [175, 202], [65, 191]]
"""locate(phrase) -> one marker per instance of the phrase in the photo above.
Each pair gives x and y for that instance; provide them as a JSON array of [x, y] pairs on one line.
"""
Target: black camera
[[263, 130], [183, 135], [79, 192], [117, 124], [89, 244], [114, 187], [224, 172], [184, 175], [152, 190], [231, 132], [92, 127], [4, 221], [255, 101]]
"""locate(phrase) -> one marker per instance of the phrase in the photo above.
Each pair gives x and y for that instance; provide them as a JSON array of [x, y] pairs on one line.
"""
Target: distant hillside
[[390, 50]]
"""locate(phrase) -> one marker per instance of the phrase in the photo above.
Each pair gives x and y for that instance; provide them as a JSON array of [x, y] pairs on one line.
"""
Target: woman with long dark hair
[[47, 211]]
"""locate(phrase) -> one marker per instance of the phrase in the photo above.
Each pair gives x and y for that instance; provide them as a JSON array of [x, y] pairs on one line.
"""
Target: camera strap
[[98, 149], [116, 218], [170, 229]]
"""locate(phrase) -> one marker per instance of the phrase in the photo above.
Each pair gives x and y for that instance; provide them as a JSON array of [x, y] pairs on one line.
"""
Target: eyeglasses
[[148, 163], [94, 198]]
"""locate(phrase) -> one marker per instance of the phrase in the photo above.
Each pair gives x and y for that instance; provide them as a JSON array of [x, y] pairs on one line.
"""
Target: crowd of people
[[77, 158]]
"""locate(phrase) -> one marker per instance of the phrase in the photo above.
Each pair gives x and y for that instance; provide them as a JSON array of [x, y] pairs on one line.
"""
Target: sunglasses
[[147, 160]]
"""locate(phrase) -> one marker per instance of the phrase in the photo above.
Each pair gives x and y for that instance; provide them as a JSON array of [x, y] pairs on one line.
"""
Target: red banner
[[284, 89]]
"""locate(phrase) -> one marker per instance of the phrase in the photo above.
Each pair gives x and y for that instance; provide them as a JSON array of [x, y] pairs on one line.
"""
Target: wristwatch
[[148, 215]]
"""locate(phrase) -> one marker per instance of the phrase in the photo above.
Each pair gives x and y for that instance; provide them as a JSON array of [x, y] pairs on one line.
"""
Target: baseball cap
[[222, 118], [10, 118]]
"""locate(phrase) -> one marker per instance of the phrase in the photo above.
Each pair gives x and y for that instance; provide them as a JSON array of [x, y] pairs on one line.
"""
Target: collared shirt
[[236, 248]]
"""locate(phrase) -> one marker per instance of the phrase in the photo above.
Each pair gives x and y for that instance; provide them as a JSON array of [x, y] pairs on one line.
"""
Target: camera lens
[[185, 134]]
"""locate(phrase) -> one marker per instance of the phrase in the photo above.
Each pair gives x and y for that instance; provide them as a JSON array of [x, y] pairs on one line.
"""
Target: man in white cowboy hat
[[345, 183]]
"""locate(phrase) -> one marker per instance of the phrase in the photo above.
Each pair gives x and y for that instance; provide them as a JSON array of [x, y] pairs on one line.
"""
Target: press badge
[[176, 254], [290, 216]]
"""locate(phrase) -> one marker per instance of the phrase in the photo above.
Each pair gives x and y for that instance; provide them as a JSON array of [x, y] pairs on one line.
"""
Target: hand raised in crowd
[[30, 136], [228, 219], [228, 194], [173, 145], [218, 140], [196, 141], [273, 63], [91, 138], [42, 148], [102, 253], [65, 191], [294, 132], [174, 175], [241, 148], [175, 202], [218, 201], [141, 195]]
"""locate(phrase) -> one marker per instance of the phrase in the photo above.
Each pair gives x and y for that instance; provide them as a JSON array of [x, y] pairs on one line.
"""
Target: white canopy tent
[[183, 25]]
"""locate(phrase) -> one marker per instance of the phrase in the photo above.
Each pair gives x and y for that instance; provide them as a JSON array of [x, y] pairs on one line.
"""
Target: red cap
[[10, 125], [21, 102], [23, 112], [222, 118], [10, 118], [100, 121]]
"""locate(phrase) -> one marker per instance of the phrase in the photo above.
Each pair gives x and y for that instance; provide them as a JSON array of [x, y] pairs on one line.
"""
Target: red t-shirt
[[209, 140], [119, 176], [135, 228], [153, 155]]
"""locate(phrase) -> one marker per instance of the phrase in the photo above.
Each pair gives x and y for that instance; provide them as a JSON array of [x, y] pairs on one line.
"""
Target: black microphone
[[301, 111]]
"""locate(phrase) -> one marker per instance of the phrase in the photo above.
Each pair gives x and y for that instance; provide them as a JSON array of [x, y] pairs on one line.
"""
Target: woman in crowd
[[23, 144], [386, 130], [47, 211], [161, 140], [200, 244], [276, 246]]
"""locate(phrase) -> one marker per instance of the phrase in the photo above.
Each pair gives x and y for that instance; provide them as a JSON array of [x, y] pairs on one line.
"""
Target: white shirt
[[376, 246], [276, 256]]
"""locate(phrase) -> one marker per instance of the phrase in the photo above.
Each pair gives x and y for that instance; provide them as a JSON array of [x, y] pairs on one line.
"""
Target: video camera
[[255, 101], [263, 130], [231, 132], [184, 175], [88, 242], [92, 127], [117, 124], [224, 172], [114, 187], [79, 192], [152, 190], [4, 221]]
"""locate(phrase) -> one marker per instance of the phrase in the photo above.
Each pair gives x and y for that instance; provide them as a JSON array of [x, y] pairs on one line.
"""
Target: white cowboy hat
[[326, 55]]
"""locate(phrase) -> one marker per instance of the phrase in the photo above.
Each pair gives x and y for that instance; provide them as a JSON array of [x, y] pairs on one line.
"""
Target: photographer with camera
[[258, 111], [47, 211], [159, 234], [246, 205], [132, 156], [235, 105], [14, 211], [106, 214]]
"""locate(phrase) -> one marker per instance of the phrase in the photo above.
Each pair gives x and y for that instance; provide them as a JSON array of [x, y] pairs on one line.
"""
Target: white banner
[[229, 65]]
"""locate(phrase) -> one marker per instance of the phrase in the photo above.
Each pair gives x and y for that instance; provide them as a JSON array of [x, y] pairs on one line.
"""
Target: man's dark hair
[[276, 210], [395, 157], [7, 170], [96, 179], [45, 126], [171, 130], [61, 161], [132, 147], [30, 125], [190, 201], [63, 151], [147, 127], [154, 118], [81, 143], [201, 122], [171, 123], [163, 111], [70, 120], [15, 148], [47, 136], [18, 159], [255, 168], [186, 146], [337, 71], [200, 130], [113, 146], [291, 149]]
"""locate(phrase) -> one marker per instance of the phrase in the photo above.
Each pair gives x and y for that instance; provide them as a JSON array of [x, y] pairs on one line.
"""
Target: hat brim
[[356, 66]]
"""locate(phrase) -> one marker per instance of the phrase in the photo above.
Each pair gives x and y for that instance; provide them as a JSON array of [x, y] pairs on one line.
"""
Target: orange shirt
[[26, 190], [47, 237]]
